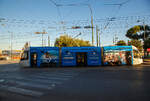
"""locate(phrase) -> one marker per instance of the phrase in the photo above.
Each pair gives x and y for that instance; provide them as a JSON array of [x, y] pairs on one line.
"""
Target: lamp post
[[91, 14], [91, 26]]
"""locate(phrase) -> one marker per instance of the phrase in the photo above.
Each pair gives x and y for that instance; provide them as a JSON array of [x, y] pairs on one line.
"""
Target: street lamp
[[91, 14]]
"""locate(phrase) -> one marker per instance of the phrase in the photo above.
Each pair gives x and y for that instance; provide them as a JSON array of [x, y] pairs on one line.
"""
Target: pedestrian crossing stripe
[[51, 77], [22, 91], [38, 80], [34, 84]]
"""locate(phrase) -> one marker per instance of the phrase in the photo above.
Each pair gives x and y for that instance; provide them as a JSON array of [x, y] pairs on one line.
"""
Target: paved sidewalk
[[146, 61]]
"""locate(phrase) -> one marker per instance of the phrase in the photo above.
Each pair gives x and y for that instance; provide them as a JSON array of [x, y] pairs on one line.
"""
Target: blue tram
[[79, 56]]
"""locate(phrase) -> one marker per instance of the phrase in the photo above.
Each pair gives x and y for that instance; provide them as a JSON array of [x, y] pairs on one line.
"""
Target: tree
[[67, 41], [136, 43], [147, 43], [139, 32], [121, 43]]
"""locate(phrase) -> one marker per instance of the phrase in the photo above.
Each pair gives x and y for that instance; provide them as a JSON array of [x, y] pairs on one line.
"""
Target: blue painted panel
[[69, 55], [68, 58], [46, 55], [94, 58]]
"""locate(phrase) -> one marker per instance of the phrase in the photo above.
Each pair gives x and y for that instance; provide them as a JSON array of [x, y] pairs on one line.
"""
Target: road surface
[[118, 83]]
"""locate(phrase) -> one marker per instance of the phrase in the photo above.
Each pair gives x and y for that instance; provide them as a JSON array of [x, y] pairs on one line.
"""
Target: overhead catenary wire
[[119, 25]]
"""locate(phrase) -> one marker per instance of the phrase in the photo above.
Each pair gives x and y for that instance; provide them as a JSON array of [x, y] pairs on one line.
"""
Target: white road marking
[[22, 91], [31, 84], [25, 83]]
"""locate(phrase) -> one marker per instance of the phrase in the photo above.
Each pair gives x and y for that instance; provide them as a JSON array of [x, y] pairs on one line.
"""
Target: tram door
[[33, 59], [128, 58], [81, 58]]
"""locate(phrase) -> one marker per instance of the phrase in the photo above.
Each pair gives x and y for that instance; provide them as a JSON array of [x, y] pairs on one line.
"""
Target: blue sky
[[24, 17]]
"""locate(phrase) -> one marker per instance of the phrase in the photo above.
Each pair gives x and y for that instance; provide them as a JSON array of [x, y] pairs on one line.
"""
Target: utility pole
[[92, 31], [115, 39], [99, 40], [91, 14], [92, 25], [144, 38], [11, 45], [48, 41], [11, 37], [144, 29], [97, 35], [42, 39], [42, 35]]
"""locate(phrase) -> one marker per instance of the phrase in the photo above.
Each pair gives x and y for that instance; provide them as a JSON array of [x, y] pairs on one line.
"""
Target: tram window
[[24, 55], [47, 55], [68, 53]]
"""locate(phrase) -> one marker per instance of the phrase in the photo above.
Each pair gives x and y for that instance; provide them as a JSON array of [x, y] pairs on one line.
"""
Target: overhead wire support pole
[[42, 39], [11, 45], [11, 36], [99, 40], [48, 41], [91, 14], [144, 29], [97, 35], [144, 37], [44, 32], [92, 24]]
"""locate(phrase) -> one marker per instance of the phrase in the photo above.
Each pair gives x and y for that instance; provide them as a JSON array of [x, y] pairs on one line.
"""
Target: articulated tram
[[80, 56]]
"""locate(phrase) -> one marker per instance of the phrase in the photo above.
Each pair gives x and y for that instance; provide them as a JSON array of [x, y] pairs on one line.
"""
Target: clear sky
[[22, 18]]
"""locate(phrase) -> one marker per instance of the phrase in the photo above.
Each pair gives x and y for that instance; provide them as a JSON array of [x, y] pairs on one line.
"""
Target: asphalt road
[[118, 83]]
